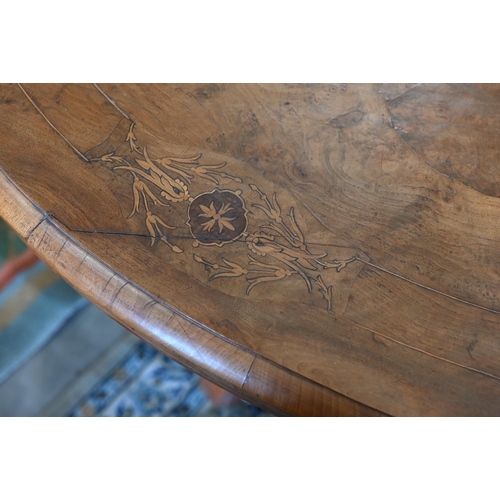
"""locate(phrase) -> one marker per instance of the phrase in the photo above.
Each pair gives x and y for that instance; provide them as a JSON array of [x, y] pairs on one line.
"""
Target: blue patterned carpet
[[149, 384], [36, 305], [33, 307]]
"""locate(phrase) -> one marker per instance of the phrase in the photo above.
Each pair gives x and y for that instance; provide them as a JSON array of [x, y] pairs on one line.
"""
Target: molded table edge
[[214, 357]]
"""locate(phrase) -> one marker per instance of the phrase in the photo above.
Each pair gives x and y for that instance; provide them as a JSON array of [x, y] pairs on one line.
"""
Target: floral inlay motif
[[215, 216]]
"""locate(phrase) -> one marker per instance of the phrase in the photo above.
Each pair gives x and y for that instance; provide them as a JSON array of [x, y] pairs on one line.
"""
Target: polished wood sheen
[[314, 249]]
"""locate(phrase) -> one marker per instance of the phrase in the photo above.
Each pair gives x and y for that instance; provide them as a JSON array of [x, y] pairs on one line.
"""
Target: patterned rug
[[34, 305], [148, 384], [140, 381]]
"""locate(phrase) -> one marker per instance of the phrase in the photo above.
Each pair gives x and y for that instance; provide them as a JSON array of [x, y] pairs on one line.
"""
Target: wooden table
[[314, 249]]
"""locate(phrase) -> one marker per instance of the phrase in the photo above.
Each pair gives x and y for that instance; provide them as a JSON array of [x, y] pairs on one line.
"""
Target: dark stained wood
[[316, 249]]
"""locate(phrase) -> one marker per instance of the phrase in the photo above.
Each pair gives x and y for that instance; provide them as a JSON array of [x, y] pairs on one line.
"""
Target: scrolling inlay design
[[277, 246]]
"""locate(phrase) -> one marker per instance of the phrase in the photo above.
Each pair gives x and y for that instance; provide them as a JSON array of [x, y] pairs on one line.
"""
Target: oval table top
[[314, 249]]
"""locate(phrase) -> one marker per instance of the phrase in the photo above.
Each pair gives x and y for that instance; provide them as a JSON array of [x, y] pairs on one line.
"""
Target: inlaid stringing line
[[79, 153], [113, 103], [427, 287], [463, 301]]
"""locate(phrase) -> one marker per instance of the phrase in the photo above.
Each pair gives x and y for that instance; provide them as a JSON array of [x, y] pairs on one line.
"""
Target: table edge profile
[[245, 373]]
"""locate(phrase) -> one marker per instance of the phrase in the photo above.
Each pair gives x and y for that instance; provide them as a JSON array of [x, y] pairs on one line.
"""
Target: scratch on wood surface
[[150, 303], [190, 340], [36, 226], [42, 238], [60, 250], [248, 372], [470, 348], [83, 260], [115, 296], [109, 281]]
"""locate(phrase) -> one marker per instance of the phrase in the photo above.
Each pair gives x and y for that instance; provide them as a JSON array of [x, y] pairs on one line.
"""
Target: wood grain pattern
[[319, 249], [198, 348]]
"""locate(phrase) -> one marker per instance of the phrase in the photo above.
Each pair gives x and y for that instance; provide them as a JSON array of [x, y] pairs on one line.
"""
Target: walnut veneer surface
[[315, 249]]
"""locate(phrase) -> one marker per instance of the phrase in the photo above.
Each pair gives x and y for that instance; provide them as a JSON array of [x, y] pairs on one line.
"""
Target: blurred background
[[61, 356]]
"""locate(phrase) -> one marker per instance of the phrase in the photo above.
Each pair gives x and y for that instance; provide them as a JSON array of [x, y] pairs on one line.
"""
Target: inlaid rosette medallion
[[218, 217]]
